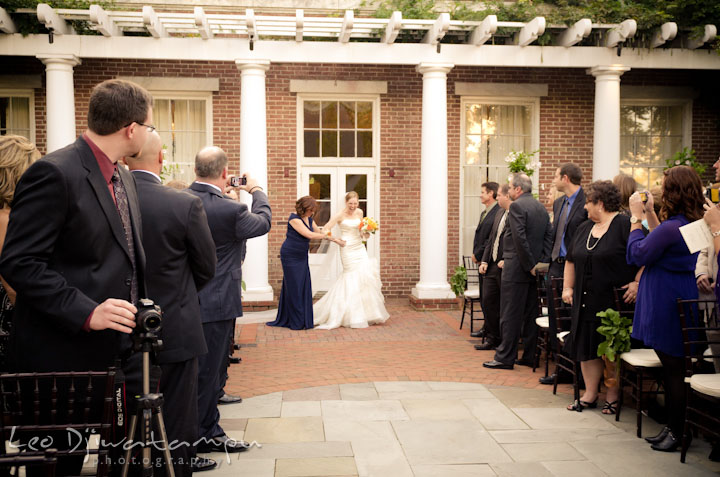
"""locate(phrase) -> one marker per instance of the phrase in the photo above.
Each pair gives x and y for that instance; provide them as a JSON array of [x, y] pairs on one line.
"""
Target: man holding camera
[[180, 261], [231, 224], [73, 249]]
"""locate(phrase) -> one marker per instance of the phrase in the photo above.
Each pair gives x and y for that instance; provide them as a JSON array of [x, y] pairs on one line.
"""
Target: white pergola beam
[[52, 21], [393, 28], [299, 21], [709, 33], [202, 23], [251, 24], [6, 23], [102, 21], [621, 33], [483, 32], [347, 26], [438, 30], [530, 32], [665, 33], [575, 34], [152, 22]]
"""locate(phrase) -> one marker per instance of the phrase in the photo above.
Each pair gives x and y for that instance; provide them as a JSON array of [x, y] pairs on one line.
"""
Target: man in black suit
[[526, 245], [180, 261], [568, 212], [488, 196], [231, 224], [73, 250], [491, 266]]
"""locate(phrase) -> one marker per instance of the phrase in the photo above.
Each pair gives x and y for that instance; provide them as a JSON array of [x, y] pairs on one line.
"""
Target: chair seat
[[542, 321], [561, 336], [646, 358], [708, 384], [473, 293]]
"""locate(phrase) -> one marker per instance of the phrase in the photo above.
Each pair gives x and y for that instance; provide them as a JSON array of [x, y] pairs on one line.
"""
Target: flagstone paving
[[410, 398]]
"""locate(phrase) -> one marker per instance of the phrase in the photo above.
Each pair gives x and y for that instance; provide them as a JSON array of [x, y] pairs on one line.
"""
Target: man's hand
[[482, 268], [631, 290], [474, 259], [567, 295], [532, 270], [501, 263], [230, 192], [703, 283], [250, 184], [114, 314]]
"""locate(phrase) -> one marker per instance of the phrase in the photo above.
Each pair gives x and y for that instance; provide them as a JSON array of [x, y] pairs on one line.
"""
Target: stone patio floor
[[411, 398]]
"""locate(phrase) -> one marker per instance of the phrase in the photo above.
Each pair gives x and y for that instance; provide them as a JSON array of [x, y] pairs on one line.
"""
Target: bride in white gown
[[356, 299]]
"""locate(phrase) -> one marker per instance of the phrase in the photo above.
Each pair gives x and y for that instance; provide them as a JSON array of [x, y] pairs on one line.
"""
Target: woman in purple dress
[[669, 274]]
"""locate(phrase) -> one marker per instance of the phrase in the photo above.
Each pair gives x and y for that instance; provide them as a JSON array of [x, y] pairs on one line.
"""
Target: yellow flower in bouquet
[[369, 225]]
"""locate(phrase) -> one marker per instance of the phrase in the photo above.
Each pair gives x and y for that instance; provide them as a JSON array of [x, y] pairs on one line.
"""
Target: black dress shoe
[[222, 444], [478, 334], [485, 346], [660, 437], [497, 365], [234, 359], [524, 362], [549, 379], [200, 464], [228, 399], [669, 444]]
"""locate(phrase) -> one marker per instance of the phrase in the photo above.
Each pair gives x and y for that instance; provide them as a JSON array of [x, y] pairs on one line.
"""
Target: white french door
[[328, 185]]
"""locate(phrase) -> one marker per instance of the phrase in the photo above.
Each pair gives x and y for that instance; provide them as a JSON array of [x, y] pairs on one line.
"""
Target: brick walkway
[[410, 346]]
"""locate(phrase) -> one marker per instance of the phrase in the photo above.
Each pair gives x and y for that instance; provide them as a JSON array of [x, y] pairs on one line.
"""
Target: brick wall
[[566, 134]]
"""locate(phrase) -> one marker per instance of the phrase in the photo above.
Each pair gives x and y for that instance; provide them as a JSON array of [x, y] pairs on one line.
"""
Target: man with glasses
[[73, 249]]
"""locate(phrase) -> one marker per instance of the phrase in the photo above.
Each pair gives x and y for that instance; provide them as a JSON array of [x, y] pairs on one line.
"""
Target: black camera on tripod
[[148, 318]]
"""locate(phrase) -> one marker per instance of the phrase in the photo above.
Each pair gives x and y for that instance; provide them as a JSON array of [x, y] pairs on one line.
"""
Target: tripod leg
[[160, 424], [128, 450], [147, 467]]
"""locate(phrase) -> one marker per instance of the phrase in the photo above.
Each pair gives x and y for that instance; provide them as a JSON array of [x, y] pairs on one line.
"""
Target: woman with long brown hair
[[669, 274]]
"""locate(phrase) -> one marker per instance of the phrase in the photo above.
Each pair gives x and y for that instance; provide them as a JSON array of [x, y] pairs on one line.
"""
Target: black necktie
[[121, 201], [560, 230]]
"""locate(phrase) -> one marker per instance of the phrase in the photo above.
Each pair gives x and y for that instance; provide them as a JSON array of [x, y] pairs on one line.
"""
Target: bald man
[[231, 224], [180, 261]]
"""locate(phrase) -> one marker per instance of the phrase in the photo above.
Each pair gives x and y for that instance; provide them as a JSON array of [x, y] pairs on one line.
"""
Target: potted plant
[[458, 282], [686, 157], [521, 161], [616, 329]]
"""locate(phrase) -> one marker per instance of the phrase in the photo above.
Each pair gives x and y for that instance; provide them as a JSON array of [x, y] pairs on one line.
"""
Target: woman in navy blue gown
[[295, 308]]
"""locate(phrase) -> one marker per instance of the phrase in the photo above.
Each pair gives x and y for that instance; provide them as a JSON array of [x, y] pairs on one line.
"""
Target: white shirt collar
[[148, 172], [211, 185]]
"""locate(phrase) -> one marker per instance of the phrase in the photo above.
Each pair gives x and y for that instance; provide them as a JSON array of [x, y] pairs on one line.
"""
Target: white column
[[433, 184], [253, 159], [606, 137], [60, 96]]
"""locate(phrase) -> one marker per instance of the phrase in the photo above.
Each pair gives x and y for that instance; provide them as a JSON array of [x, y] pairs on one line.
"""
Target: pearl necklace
[[587, 244]]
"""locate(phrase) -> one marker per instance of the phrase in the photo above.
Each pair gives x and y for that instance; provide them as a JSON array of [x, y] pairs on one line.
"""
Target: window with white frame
[[184, 124], [650, 133], [16, 114], [491, 130], [338, 129]]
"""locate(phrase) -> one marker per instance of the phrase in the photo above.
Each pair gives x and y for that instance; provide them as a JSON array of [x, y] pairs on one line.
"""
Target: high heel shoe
[[660, 437]]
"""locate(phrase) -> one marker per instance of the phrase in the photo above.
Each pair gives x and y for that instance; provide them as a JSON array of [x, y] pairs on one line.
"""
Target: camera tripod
[[148, 412]]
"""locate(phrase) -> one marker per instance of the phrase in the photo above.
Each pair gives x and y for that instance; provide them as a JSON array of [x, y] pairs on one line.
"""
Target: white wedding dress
[[356, 299]]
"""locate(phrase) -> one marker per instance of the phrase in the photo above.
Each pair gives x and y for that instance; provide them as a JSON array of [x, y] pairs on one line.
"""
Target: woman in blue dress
[[295, 307], [669, 274]]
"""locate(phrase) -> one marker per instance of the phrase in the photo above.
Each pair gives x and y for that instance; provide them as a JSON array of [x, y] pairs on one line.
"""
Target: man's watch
[[634, 220]]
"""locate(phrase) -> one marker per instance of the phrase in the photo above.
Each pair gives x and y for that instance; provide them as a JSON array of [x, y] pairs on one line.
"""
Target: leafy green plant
[[458, 280], [686, 157], [521, 161], [616, 329]]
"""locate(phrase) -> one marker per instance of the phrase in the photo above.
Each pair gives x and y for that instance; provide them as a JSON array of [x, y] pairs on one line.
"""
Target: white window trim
[[534, 102], [24, 93]]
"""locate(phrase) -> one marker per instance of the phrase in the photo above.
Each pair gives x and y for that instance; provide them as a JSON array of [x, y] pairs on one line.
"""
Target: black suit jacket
[[482, 232], [577, 216], [180, 261], [65, 252], [528, 240], [231, 224], [487, 254]]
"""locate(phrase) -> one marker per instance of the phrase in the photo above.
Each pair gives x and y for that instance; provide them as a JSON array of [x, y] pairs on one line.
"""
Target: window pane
[[473, 146], [347, 115], [358, 183], [364, 144], [320, 186], [659, 124], [364, 115], [182, 125], [675, 120], [322, 214], [329, 115], [347, 143], [15, 116], [472, 178], [311, 114], [472, 207], [473, 119], [643, 116], [627, 122], [329, 143], [312, 143]]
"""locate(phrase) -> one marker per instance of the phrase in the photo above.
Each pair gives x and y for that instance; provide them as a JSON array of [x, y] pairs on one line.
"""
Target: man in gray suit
[[526, 244], [231, 224]]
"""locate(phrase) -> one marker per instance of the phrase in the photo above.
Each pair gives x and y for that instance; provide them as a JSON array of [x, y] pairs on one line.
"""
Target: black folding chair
[[471, 295]]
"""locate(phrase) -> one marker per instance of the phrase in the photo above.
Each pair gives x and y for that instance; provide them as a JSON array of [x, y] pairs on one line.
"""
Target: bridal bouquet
[[369, 225]]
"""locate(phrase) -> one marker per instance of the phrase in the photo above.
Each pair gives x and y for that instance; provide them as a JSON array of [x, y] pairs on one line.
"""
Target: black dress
[[599, 268], [295, 308]]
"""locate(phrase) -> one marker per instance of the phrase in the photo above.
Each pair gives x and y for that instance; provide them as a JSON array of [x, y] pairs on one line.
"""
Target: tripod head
[[148, 322]]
